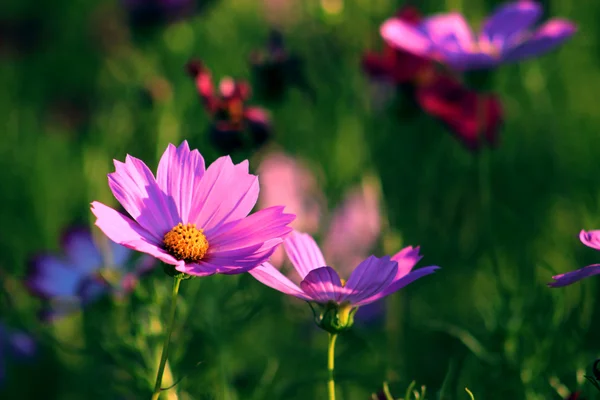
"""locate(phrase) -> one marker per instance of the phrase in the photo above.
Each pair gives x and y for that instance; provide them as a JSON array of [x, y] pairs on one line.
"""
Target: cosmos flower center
[[186, 242]]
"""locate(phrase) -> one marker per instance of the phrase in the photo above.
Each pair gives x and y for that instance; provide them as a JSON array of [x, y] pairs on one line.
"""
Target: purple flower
[[191, 217], [83, 273], [14, 344], [590, 239], [373, 279], [506, 36]]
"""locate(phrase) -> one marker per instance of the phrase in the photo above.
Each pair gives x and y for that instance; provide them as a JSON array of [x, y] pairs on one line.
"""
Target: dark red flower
[[275, 69], [232, 119], [473, 117], [575, 396], [398, 66]]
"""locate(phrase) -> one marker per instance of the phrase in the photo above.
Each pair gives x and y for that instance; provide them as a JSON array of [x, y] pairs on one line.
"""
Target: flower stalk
[[330, 365], [165, 350]]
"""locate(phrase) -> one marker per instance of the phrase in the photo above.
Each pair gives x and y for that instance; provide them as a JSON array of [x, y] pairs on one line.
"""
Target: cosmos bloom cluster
[[475, 118], [506, 36], [195, 220], [416, 46]]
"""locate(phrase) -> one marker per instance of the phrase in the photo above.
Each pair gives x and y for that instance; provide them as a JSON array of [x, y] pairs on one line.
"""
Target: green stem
[[330, 365], [165, 349]]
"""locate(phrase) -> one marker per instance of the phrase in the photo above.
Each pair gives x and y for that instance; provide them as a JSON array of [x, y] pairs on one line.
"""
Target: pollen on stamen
[[186, 242]]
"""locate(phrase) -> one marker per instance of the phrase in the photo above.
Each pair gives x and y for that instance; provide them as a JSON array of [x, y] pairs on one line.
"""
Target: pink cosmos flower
[[506, 36], [373, 279], [590, 239], [191, 217]]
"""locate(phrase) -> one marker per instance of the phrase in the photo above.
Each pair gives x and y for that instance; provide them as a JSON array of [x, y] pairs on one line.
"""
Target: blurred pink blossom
[[355, 226], [285, 180]]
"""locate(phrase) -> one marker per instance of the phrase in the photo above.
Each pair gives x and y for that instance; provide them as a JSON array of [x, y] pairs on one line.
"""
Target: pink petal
[[262, 226], [575, 276], [134, 186], [268, 275], [406, 259], [239, 246], [550, 35], [369, 279], [403, 35], [590, 238], [226, 193], [450, 30], [179, 175], [322, 285], [303, 252], [257, 115], [126, 232]]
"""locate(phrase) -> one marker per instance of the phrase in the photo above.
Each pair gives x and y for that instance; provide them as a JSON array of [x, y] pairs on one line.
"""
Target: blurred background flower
[[83, 273], [235, 124]]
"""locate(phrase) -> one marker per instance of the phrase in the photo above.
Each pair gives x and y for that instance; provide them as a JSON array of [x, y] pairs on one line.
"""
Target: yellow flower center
[[186, 242]]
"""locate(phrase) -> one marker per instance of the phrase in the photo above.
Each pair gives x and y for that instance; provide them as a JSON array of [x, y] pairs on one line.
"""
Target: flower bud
[[334, 317]]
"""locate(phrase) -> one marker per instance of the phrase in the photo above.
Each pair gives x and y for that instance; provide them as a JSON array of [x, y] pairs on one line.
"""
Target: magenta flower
[[506, 36], [590, 239], [83, 273], [373, 279], [192, 218]]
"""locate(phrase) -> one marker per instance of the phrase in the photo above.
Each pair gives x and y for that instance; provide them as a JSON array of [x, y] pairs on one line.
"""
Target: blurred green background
[[89, 89]]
